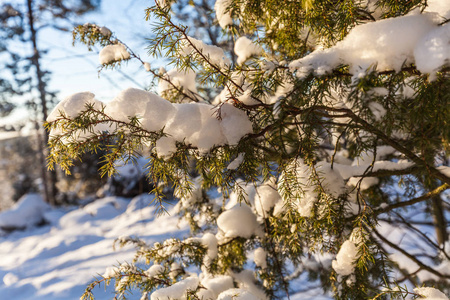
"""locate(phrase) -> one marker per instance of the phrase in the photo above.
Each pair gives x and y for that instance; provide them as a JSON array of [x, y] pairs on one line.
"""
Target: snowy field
[[60, 250], [57, 260]]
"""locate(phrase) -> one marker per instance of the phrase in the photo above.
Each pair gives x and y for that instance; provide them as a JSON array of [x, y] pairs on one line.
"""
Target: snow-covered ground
[[57, 260], [58, 251]]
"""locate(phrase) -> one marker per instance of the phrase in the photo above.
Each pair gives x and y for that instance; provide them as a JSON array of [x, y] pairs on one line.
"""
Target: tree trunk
[[49, 178], [439, 221]]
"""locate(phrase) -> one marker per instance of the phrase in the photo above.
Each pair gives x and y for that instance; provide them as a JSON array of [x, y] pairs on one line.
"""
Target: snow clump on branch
[[388, 44], [222, 15], [213, 54], [214, 285], [177, 290], [266, 198], [237, 294], [113, 53], [345, 261], [245, 48], [72, 105], [331, 182], [239, 221], [194, 124], [441, 7], [175, 78], [430, 293]]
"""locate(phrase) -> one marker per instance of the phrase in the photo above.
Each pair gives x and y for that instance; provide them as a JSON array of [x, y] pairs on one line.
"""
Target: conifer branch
[[410, 202]]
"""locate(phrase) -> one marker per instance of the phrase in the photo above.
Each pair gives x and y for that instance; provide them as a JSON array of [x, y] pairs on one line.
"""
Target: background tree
[[324, 157], [23, 74]]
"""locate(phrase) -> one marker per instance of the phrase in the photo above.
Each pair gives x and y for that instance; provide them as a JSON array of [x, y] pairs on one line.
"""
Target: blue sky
[[75, 69], [126, 19]]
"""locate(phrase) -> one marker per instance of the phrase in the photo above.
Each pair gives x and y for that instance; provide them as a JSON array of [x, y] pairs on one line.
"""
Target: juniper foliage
[[308, 129]]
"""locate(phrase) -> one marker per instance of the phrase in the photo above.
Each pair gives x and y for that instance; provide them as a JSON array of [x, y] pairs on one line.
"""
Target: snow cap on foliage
[[112, 53], [246, 280], [385, 44], [345, 261], [215, 285], [196, 124], [154, 270], [281, 91], [136, 102], [238, 221], [122, 283], [209, 240], [105, 31], [170, 246], [433, 51], [188, 124], [347, 171], [444, 170], [225, 95], [73, 105], [177, 290], [331, 182], [237, 294], [195, 194], [366, 158], [236, 162], [192, 123], [245, 48], [307, 196], [166, 146], [184, 79], [377, 110], [222, 15], [147, 66], [235, 123], [248, 195], [344, 264], [441, 7], [430, 293], [259, 257], [363, 182], [111, 272], [266, 198], [246, 96], [175, 270], [157, 112], [213, 54]]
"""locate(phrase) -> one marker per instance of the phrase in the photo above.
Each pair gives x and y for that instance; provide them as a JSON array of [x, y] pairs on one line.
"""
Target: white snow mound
[[28, 211]]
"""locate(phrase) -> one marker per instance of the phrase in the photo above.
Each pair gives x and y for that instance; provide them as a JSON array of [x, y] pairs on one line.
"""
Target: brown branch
[[386, 173], [424, 197], [410, 256]]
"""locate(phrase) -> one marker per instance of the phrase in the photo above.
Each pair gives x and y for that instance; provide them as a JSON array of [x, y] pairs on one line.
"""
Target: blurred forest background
[[40, 66]]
